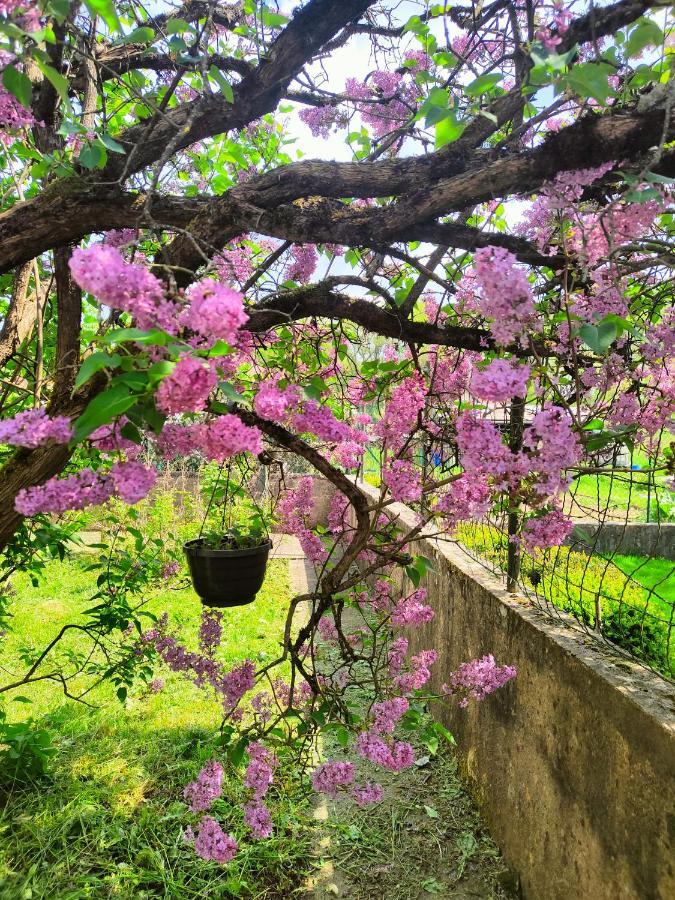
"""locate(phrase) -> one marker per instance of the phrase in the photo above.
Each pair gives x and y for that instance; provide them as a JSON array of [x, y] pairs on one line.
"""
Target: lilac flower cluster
[[102, 271], [293, 511], [477, 679], [403, 478], [506, 294], [547, 530], [330, 777], [391, 755], [217, 440], [303, 264], [131, 481], [201, 793], [212, 843], [412, 610], [215, 311], [258, 778], [187, 387], [499, 381], [210, 630], [203, 670], [34, 427]]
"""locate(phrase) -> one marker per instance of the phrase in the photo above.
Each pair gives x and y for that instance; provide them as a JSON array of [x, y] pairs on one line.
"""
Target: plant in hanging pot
[[228, 563]]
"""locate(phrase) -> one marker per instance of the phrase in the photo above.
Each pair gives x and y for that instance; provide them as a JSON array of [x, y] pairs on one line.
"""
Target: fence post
[[516, 428]]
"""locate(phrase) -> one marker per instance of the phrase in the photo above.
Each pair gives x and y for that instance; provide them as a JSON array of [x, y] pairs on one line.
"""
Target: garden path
[[425, 839]]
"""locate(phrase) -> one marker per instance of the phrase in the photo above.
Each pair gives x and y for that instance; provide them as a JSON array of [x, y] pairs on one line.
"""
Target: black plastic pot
[[227, 577]]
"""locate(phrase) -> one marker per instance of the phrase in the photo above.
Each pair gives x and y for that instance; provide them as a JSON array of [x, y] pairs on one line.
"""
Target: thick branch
[[20, 318]]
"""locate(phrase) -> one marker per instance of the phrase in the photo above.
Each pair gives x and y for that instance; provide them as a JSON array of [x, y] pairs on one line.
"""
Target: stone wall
[[572, 763], [633, 538]]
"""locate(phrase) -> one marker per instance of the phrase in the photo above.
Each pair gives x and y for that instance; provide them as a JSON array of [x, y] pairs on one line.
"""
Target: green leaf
[[223, 83], [448, 130], [106, 10], [92, 156], [599, 337], [142, 35], [177, 26], [111, 143], [154, 337], [646, 33], [591, 80], [483, 84], [431, 811], [103, 409], [93, 364], [59, 83], [272, 20], [18, 84]]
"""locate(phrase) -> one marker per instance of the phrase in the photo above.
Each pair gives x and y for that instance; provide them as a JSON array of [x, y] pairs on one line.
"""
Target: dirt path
[[425, 839]]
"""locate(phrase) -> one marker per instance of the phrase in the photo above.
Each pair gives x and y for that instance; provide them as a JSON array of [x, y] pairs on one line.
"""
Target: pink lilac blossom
[[273, 402], [394, 755], [548, 530], [121, 238], [260, 770], [329, 777], [210, 631], [305, 260], [102, 271], [483, 452], [227, 436], [387, 713], [321, 421], [553, 447], [418, 674], [180, 440], [201, 793], [327, 629], [477, 679], [13, 114], [203, 670], [133, 481], [293, 509], [211, 842], [337, 514], [401, 412], [403, 479], [396, 655], [466, 499], [367, 794], [169, 569], [33, 427], [412, 610], [156, 685], [235, 262], [86, 488], [108, 438], [349, 454], [215, 311], [321, 119], [505, 294], [499, 381], [188, 386], [257, 817]]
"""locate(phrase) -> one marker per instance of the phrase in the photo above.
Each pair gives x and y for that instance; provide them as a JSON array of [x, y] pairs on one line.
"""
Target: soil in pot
[[227, 577]]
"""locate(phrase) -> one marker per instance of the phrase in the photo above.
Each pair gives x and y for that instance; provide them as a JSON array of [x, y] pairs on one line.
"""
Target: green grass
[[107, 820], [656, 575], [630, 615]]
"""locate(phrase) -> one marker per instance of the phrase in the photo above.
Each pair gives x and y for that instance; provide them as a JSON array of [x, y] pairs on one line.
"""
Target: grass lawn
[[107, 821], [657, 575], [631, 615]]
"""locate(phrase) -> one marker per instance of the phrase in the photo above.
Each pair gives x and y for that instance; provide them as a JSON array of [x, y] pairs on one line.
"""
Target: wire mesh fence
[[613, 575]]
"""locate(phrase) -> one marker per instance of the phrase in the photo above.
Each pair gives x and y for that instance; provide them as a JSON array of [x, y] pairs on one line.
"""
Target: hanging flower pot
[[226, 577]]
